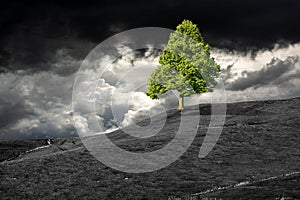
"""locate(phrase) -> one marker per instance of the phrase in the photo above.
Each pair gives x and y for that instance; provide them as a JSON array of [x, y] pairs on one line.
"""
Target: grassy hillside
[[259, 140], [12, 149]]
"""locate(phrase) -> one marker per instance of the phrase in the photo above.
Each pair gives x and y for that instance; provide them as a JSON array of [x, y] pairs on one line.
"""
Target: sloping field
[[259, 140]]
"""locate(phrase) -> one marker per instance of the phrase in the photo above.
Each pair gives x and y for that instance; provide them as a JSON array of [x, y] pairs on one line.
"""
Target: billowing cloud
[[38, 103], [35, 105], [275, 72], [118, 94], [267, 74]]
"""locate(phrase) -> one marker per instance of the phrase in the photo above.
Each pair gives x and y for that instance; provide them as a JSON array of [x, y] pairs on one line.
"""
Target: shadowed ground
[[259, 140]]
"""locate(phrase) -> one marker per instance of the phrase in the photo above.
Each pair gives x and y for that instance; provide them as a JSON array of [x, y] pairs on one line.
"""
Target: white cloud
[[269, 74], [39, 104], [247, 62]]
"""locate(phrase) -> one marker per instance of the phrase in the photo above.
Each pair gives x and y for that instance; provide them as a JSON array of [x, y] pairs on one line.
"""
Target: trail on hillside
[[60, 146]]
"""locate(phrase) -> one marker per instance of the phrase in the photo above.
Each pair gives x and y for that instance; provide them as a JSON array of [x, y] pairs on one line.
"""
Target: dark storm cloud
[[32, 32], [275, 72]]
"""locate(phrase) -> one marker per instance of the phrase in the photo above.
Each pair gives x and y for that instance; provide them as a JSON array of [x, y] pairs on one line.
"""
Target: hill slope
[[259, 140]]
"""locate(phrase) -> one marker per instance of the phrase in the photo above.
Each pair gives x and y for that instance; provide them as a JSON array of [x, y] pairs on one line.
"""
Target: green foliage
[[185, 64]]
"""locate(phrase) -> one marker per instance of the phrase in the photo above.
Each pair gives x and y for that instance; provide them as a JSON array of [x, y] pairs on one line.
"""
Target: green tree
[[185, 65]]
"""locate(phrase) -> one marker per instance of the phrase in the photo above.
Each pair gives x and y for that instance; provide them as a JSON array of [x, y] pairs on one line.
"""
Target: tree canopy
[[185, 64]]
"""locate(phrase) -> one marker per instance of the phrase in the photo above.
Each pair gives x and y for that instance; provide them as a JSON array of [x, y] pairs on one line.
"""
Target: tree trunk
[[180, 103]]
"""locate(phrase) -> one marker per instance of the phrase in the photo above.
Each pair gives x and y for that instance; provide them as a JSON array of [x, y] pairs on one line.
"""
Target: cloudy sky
[[42, 45]]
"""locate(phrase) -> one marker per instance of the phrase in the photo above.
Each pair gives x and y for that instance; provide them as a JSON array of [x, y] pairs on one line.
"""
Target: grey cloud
[[38, 104], [10, 113], [227, 73], [274, 72], [35, 105]]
